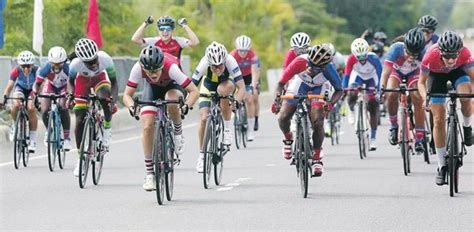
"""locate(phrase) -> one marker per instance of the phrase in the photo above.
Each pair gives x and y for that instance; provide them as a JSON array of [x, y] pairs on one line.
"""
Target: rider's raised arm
[[138, 35], [193, 39]]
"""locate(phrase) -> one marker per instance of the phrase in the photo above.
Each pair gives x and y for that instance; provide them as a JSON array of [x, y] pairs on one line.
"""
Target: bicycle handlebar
[[400, 90], [302, 97], [51, 96], [360, 88], [451, 95], [156, 103]]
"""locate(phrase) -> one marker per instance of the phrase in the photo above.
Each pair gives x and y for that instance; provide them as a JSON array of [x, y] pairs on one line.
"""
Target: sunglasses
[[411, 54], [165, 28], [314, 67], [153, 70], [58, 65], [242, 50], [23, 66], [450, 55], [362, 57]]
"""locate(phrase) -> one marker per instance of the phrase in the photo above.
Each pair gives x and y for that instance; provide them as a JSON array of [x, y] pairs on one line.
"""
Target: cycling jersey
[[77, 67], [25, 82], [339, 61], [174, 46], [57, 80], [355, 71], [231, 64], [290, 56], [245, 63], [432, 61], [433, 40]]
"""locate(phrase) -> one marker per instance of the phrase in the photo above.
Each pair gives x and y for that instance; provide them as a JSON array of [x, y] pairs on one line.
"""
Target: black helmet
[[166, 21], [320, 55], [377, 47], [379, 35], [428, 22], [151, 58], [450, 42], [414, 40]]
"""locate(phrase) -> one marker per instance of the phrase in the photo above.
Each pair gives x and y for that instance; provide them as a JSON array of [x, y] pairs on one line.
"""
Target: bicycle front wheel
[[158, 158], [86, 151], [360, 131], [169, 164], [305, 168], [209, 150], [218, 157], [18, 149], [452, 156], [243, 129], [51, 142], [237, 128], [61, 151], [404, 144], [25, 131]]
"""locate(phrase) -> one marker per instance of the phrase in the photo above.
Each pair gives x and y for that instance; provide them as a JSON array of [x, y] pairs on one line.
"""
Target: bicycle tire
[[209, 149], [218, 157], [86, 150], [332, 126], [26, 151], [18, 143], [62, 151], [452, 153], [158, 159], [169, 163], [404, 143], [51, 141], [245, 125], [98, 161], [360, 131], [304, 157], [237, 128]]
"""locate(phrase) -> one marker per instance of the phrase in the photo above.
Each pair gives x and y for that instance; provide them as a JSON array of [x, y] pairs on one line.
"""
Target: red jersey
[[290, 56], [432, 61], [246, 62], [174, 46]]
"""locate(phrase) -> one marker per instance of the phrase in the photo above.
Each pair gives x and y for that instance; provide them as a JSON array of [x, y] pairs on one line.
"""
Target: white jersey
[[77, 66], [231, 65]]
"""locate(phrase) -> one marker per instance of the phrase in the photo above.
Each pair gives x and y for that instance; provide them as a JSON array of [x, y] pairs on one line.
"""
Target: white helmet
[[86, 49], [243, 42], [25, 57], [300, 40], [57, 55], [331, 48], [216, 53], [360, 48]]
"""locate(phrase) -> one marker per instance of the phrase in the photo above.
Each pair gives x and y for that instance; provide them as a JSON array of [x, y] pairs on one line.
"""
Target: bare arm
[[422, 85], [138, 35], [385, 74], [9, 88], [128, 96], [241, 92], [194, 40], [193, 94]]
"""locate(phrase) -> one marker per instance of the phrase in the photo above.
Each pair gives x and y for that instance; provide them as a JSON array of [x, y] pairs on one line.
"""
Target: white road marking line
[[224, 189], [233, 184], [113, 142], [242, 179]]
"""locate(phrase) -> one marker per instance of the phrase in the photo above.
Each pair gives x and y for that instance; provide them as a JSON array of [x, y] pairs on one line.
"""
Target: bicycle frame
[[21, 150]]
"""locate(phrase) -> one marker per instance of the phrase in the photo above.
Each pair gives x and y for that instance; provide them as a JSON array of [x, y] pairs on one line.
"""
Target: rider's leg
[[174, 111], [65, 118], [33, 120], [287, 110], [317, 121], [439, 130], [419, 114], [45, 108], [463, 85], [148, 122], [354, 82], [226, 88], [250, 112], [392, 108]]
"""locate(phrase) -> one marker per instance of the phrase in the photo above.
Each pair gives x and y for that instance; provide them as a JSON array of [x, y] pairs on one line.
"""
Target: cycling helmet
[[86, 49], [360, 48], [428, 22], [331, 48], [450, 42], [377, 47], [151, 58], [414, 41], [380, 36], [300, 40], [166, 21], [57, 55], [320, 55], [243, 42], [25, 57], [216, 53]]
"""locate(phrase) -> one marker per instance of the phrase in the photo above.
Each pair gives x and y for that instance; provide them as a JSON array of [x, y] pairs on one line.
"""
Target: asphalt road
[[260, 191]]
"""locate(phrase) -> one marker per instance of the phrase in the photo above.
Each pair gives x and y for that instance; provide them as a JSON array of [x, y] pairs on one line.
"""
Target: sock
[[251, 122], [419, 134], [32, 135], [288, 136], [393, 121], [178, 128], [256, 119], [373, 133], [441, 152], [227, 124], [66, 134], [107, 124], [467, 121], [149, 165]]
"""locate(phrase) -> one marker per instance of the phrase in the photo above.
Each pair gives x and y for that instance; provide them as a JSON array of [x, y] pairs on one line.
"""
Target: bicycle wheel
[[304, 157], [18, 142], [237, 128], [332, 126], [61, 151], [452, 156], [86, 151], [404, 144], [51, 141], [360, 131], [158, 158], [243, 116], [169, 163], [25, 128], [218, 157], [209, 150], [98, 161]]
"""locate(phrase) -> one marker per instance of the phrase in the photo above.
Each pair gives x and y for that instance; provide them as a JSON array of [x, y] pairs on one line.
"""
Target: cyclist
[[308, 73], [299, 43], [363, 67], [222, 74], [380, 37], [92, 69], [247, 60], [163, 80], [339, 63], [166, 40], [447, 60], [22, 79], [56, 75], [403, 62], [428, 24], [379, 49]]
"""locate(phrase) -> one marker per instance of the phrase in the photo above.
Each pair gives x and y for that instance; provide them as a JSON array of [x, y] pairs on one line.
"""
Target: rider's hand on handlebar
[[185, 109]]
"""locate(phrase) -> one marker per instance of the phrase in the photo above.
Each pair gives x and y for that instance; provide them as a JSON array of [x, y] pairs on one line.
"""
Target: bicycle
[[55, 139], [214, 148], [456, 149], [407, 124], [240, 125], [302, 151], [92, 151], [22, 133], [334, 119], [163, 153], [362, 129]]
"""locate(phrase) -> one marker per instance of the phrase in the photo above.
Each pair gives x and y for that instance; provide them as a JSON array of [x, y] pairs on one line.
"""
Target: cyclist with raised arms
[[427, 24], [166, 40], [363, 67], [447, 60], [221, 74], [403, 63], [22, 79], [163, 80], [247, 60], [308, 73], [95, 69], [299, 44], [55, 76]]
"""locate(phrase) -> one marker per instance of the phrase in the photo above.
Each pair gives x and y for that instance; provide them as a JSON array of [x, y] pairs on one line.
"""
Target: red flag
[[93, 25]]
